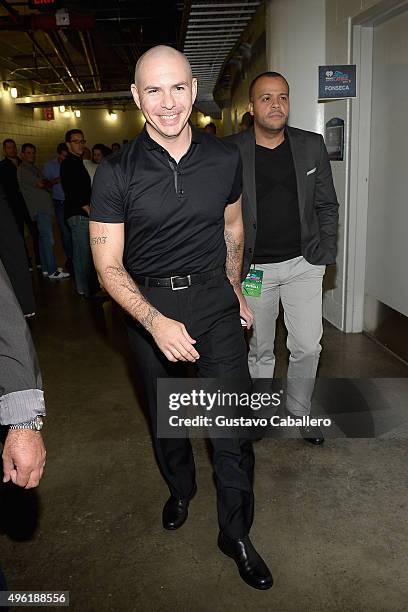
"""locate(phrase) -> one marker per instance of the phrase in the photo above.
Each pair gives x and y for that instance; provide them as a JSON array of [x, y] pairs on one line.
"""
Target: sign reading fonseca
[[337, 81]]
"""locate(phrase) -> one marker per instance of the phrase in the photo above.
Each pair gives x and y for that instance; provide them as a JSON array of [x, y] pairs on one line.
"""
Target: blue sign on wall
[[337, 81]]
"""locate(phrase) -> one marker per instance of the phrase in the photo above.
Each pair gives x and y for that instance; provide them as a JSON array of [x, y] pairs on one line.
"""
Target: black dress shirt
[[173, 212], [76, 184]]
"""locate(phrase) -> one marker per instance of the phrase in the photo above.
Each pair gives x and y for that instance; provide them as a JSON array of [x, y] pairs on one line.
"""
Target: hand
[[23, 457], [87, 209], [173, 339], [244, 310]]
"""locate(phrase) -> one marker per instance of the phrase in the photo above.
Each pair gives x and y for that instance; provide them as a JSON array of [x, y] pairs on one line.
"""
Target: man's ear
[[135, 95], [251, 108], [194, 87]]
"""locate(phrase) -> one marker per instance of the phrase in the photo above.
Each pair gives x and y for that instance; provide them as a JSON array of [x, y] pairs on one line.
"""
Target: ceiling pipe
[[88, 59], [11, 73], [43, 55], [57, 52], [58, 37], [15, 18], [92, 50]]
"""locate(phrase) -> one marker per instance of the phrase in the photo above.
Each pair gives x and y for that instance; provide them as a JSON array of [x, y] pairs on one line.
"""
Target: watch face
[[38, 423]]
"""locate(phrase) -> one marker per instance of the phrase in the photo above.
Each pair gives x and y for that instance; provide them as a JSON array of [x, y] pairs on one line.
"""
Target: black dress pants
[[210, 312]]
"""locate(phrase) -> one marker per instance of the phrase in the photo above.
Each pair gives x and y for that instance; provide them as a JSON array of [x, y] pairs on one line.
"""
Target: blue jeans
[[86, 281], [64, 229], [46, 242]]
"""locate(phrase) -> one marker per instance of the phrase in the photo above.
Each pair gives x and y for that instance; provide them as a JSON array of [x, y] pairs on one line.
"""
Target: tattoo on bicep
[[99, 240], [233, 261]]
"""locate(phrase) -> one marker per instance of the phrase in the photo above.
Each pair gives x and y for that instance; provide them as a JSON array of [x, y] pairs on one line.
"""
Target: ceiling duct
[[214, 28]]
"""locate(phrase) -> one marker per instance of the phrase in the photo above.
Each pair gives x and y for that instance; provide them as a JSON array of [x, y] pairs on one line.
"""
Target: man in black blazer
[[290, 213]]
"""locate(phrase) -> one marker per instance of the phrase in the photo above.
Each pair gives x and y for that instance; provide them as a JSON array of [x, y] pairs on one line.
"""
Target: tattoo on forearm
[[128, 295], [99, 240], [233, 262], [147, 320]]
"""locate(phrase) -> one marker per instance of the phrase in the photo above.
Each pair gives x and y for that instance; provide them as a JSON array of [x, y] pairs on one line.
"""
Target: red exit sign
[[38, 4]]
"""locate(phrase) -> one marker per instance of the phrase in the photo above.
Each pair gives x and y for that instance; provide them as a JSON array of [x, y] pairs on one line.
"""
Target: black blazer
[[318, 206]]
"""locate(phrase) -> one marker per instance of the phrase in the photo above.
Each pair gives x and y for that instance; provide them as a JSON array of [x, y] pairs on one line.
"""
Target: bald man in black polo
[[167, 239]]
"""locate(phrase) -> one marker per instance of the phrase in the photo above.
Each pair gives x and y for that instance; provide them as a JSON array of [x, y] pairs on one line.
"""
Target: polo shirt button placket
[[181, 190]]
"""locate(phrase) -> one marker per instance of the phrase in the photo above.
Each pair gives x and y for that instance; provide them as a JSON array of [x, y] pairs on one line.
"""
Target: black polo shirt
[[173, 213]]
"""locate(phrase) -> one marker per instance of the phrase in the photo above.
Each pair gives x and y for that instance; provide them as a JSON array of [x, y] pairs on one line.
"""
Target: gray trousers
[[298, 285]]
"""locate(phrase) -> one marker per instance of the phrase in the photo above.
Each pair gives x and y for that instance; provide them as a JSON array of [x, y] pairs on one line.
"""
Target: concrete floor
[[330, 521]]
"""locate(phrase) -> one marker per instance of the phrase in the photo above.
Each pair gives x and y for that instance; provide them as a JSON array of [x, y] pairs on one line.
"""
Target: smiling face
[[270, 104], [165, 92]]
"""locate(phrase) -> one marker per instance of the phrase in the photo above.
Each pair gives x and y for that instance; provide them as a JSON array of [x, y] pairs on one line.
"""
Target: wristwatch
[[35, 424]]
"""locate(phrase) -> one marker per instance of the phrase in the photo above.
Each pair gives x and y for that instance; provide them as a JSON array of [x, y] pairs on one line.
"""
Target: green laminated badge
[[252, 285]]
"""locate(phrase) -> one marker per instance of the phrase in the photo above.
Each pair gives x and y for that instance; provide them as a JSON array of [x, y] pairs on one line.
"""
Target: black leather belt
[[178, 282]]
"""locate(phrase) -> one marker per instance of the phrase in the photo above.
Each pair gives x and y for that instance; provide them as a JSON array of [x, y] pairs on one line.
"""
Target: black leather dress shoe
[[252, 568], [175, 511], [313, 435]]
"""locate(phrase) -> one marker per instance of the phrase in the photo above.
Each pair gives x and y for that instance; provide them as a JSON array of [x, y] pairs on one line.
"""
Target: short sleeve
[[107, 201], [236, 188]]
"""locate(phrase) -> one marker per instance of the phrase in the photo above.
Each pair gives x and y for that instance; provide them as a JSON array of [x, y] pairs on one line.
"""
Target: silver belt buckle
[[178, 288]]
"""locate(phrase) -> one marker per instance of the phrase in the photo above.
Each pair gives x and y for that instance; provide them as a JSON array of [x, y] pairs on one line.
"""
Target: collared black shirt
[[173, 213], [76, 184]]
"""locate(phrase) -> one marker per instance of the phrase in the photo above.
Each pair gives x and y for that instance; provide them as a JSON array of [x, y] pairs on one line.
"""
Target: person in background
[[115, 146], [87, 154], [34, 189], [9, 182], [89, 163], [247, 121], [21, 396], [52, 174], [76, 184], [290, 213], [211, 128], [14, 257], [99, 152]]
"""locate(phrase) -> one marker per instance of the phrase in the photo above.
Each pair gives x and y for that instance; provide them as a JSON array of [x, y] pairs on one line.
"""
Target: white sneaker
[[45, 273], [58, 275]]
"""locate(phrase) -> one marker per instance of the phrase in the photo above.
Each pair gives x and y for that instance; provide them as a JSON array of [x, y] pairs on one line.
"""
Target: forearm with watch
[[21, 396]]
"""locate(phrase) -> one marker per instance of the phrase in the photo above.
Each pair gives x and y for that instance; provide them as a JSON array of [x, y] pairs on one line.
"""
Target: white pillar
[[295, 47]]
